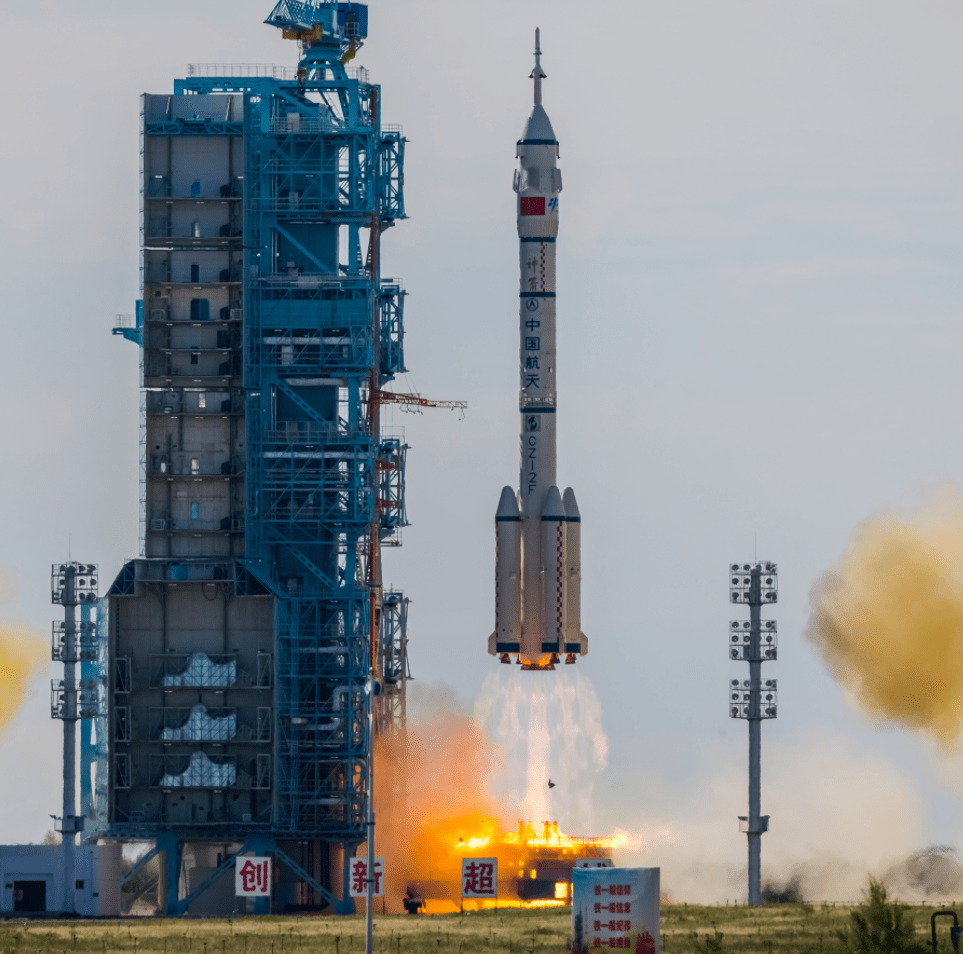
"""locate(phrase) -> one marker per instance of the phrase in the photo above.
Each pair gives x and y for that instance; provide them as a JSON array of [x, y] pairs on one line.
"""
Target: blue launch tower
[[242, 637]]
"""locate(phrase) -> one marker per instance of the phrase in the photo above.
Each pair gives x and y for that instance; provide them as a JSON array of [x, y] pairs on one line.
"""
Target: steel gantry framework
[[296, 334]]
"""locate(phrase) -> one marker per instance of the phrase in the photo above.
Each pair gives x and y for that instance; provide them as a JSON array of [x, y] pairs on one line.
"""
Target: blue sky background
[[759, 299]]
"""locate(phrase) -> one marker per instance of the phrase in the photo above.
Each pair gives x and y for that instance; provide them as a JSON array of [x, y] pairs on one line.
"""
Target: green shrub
[[881, 927]]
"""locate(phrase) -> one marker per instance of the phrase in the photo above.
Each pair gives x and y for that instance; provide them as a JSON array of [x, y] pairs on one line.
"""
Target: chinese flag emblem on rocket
[[531, 205]]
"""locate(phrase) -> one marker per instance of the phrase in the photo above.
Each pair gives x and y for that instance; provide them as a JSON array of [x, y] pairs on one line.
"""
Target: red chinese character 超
[[479, 878]]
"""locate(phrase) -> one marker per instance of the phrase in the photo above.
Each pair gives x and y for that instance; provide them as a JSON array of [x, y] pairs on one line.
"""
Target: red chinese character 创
[[360, 876], [249, 875]]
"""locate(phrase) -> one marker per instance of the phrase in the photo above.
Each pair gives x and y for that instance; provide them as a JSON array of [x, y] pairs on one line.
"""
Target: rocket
[[538, 563]]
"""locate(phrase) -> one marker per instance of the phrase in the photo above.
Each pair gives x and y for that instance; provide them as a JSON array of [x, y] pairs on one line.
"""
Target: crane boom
[[298, 14], [416, 400]]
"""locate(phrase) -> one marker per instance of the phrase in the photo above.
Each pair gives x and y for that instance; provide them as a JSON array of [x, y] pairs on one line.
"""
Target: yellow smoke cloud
[[888, 618], [23, 653]]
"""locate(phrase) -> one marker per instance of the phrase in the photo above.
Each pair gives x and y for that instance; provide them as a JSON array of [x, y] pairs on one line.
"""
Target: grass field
[[686, 929]]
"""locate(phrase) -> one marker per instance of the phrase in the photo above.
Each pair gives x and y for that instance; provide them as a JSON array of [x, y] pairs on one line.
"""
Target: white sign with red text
[[252, 877], [359, 878], [479, 877], [594, 863], [615, 908]]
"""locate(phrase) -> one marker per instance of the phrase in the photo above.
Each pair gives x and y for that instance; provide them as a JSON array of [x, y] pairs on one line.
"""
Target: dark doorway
[[30, 896]]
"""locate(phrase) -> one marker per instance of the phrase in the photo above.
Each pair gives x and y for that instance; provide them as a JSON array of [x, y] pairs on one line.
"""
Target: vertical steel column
[[754, 830], [371, 690], [753, 699], [68, 824], [172, 847]]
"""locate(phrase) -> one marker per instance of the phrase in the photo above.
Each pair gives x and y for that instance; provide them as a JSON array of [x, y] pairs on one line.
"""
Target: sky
[[759, 290]]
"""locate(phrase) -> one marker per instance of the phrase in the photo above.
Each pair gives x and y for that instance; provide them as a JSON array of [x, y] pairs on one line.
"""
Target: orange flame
[[440, 773]]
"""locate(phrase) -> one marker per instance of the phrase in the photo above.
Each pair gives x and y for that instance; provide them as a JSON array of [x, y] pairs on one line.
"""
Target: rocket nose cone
[[553, 507], [507, 504], [571, 507], [538, 126]]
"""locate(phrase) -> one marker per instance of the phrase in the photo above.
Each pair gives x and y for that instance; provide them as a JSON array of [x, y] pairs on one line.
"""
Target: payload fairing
[[538, 564]]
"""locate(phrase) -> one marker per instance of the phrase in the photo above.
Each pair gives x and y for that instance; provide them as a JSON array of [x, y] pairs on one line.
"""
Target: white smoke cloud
[[548, 726], [837, 815]]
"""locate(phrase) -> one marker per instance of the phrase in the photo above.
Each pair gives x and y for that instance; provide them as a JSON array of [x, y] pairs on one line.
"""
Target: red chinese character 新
[[360, 875]]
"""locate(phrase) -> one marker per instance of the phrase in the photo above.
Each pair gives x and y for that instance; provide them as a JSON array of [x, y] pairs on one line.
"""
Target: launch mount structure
[[753, 699], [243, 636]]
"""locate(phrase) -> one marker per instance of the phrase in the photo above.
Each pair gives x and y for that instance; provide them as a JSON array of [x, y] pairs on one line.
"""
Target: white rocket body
[[537, 578]]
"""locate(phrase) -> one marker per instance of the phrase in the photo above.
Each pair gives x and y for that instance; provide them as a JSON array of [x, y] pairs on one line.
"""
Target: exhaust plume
[[23, 653], [888, 619], [470, 781], [546, 728], [442, 767]]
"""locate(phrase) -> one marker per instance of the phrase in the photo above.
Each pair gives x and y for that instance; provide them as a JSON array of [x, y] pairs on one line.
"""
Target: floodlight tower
[[753, 699], [72, 585]]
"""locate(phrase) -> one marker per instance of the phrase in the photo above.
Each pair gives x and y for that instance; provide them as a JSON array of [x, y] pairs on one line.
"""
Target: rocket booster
[[538, 563]]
